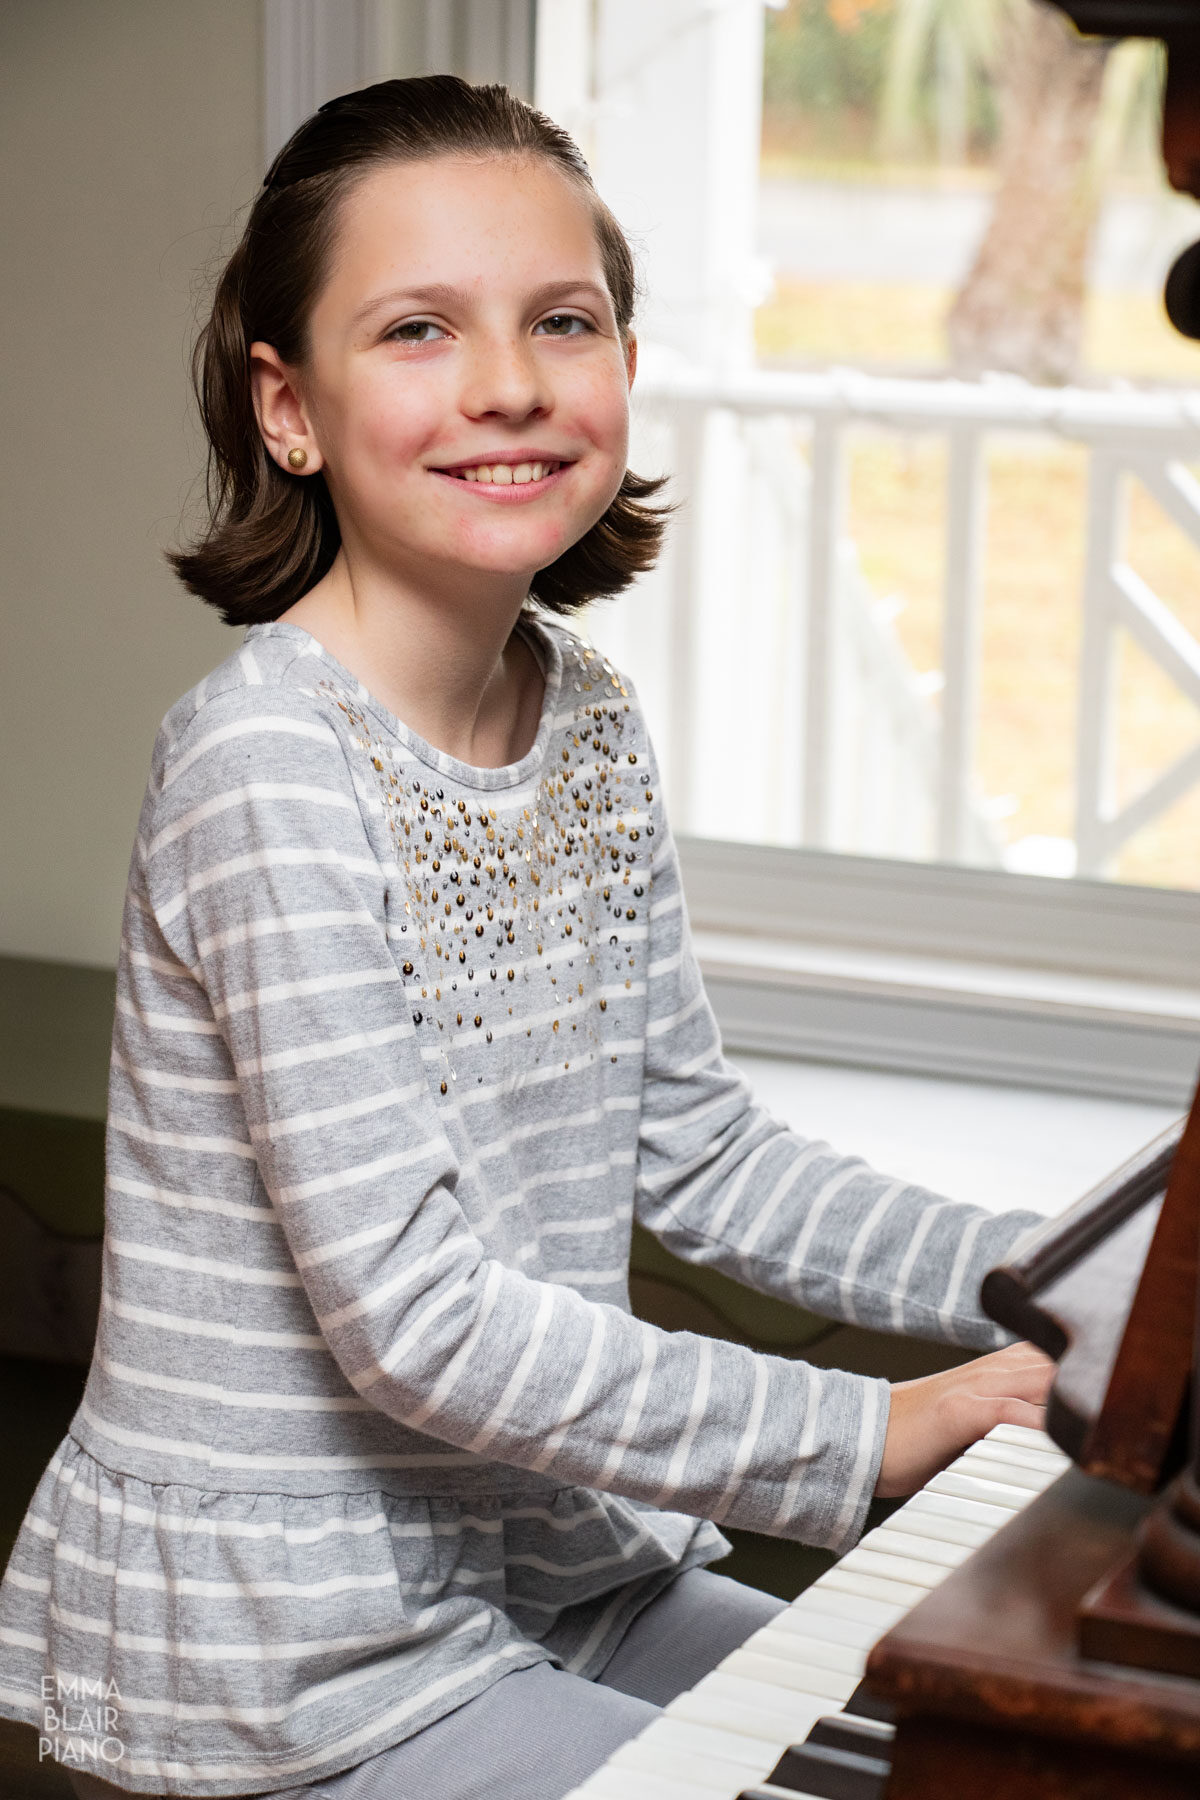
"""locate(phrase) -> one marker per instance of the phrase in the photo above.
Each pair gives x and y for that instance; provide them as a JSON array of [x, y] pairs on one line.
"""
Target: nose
[[505, 379]]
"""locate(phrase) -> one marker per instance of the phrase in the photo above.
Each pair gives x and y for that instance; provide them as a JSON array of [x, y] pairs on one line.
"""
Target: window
[[870, 602]]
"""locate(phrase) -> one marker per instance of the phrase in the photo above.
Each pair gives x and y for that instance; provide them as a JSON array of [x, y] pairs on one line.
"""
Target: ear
[[280, 409], [631, 357]]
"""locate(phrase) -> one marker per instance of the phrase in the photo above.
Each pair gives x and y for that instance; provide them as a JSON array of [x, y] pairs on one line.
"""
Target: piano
[[1027, 1627]]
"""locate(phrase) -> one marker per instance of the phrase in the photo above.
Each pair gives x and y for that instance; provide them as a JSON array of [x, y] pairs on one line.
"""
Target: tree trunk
[[1021, 307]]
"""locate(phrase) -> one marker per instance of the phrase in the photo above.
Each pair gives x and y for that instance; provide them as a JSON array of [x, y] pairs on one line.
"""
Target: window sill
[[949, 971]]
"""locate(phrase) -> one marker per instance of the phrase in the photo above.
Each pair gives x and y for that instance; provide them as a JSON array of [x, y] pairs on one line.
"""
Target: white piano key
[[970, 1506], [792, 1676], [801, 1647], [947, 1510], [977, 1461], [1025, 1436], [1021, 1456], [866, 1560], [860, 1608], [740, 1705], [929, 1548], [648, 1756], [1040, 1471], [778, 1793], [735, 1724], [826, 1628], [844, 1580], [973, 1487], [726, 1747]]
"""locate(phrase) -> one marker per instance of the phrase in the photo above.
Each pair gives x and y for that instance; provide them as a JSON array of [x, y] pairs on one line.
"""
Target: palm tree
[[1067, 105], [1021, 306], [959, 37]]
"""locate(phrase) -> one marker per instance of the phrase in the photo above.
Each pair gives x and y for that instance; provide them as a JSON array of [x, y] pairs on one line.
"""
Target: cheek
[[394, 429], [597, 407], [375, 430]]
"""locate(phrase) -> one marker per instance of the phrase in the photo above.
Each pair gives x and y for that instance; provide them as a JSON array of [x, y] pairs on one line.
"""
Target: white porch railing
[[761, 562]]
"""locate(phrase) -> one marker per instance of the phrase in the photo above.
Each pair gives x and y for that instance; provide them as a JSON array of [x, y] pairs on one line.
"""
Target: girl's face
[[466, 390]]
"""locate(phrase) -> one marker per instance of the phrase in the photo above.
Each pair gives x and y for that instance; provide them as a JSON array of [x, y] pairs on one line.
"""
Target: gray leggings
[[537, 1733]]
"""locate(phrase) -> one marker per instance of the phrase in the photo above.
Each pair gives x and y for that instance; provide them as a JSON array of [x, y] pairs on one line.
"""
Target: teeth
[[504, 474]]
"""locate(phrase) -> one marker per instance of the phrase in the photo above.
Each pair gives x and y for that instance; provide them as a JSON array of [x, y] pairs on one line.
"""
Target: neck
[[442, 657]]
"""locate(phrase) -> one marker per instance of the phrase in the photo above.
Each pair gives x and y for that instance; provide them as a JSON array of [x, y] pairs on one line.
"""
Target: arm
[[722, 1183], [265, 883]]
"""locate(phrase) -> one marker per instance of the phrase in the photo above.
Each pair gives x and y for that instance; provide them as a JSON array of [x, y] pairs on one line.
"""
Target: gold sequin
[[572, 831]]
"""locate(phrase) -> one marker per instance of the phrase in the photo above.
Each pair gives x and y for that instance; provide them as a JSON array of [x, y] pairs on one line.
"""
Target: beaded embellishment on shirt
[[551, 889]]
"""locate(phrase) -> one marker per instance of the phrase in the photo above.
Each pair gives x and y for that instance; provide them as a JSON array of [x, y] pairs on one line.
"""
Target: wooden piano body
[[1028, 1626], [1024, 1627], [1062, 1660]]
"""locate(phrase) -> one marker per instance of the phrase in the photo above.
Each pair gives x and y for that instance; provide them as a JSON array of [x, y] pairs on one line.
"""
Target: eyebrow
[[440, 295]]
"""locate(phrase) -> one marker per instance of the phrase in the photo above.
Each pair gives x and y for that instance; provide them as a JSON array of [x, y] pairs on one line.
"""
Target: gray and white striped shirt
[[401, 1048]]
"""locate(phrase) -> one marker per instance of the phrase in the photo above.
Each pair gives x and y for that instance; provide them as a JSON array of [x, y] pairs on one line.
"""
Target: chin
[[519, 560]]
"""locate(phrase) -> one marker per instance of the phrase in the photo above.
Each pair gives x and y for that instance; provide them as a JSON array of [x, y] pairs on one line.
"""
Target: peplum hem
[[179, 1641]]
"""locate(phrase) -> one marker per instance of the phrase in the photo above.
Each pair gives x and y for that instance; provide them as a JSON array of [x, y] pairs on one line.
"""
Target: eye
[[413, 331], [560, 325]]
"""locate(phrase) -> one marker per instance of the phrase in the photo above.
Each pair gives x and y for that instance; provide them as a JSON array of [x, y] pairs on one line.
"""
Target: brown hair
[[270, 535]]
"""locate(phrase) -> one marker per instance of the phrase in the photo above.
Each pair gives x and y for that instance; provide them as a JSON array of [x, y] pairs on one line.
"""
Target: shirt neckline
[[548, 653]]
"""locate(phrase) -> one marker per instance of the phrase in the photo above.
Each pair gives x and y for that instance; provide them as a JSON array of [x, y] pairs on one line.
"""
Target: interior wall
[[130, 135]]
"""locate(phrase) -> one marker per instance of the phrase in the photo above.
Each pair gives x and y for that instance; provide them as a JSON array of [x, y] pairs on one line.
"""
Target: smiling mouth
[[504, 474]]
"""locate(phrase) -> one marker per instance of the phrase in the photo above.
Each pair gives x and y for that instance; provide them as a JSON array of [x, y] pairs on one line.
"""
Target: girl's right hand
[[935, 1419]]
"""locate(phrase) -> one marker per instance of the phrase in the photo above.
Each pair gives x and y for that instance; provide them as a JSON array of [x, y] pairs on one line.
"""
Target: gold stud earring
[[297, 458]]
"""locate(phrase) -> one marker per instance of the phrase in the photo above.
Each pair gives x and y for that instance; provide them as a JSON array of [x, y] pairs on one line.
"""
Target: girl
[[377, 1487]]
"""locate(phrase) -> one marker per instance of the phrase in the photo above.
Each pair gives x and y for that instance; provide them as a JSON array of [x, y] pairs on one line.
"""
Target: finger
[[974, 1415], [994, 1381], [1023, 1379], [1019, 1354], [1022, 1412]]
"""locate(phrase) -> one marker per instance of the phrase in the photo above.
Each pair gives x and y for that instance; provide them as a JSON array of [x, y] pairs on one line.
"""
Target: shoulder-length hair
[[271, 535]]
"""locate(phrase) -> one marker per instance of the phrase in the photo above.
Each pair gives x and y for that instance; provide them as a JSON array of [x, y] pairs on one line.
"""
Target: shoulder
[[579, 657], [591, 686], [274, 693], [266, 727]]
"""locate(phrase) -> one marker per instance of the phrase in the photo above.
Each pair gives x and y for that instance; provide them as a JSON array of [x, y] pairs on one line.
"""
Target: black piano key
[[868, 1737], [866, 1705], [831, 1774]]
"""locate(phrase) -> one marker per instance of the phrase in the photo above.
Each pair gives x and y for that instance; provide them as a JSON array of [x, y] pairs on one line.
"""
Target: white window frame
[[1080, 985]]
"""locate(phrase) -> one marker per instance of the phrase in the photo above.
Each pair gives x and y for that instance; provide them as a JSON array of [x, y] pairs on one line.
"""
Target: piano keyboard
[[725, 1737]]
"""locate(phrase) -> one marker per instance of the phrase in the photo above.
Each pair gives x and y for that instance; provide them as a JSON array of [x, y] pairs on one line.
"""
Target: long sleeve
[[369, 1422], [270, 893], [720, 1182]]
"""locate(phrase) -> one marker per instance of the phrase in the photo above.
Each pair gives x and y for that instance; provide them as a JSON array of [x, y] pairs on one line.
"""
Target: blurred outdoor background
[[965, 187], [903, 359]]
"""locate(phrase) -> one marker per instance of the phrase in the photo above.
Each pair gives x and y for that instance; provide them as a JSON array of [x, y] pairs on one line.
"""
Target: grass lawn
[[1032, 620], [901, 328]]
